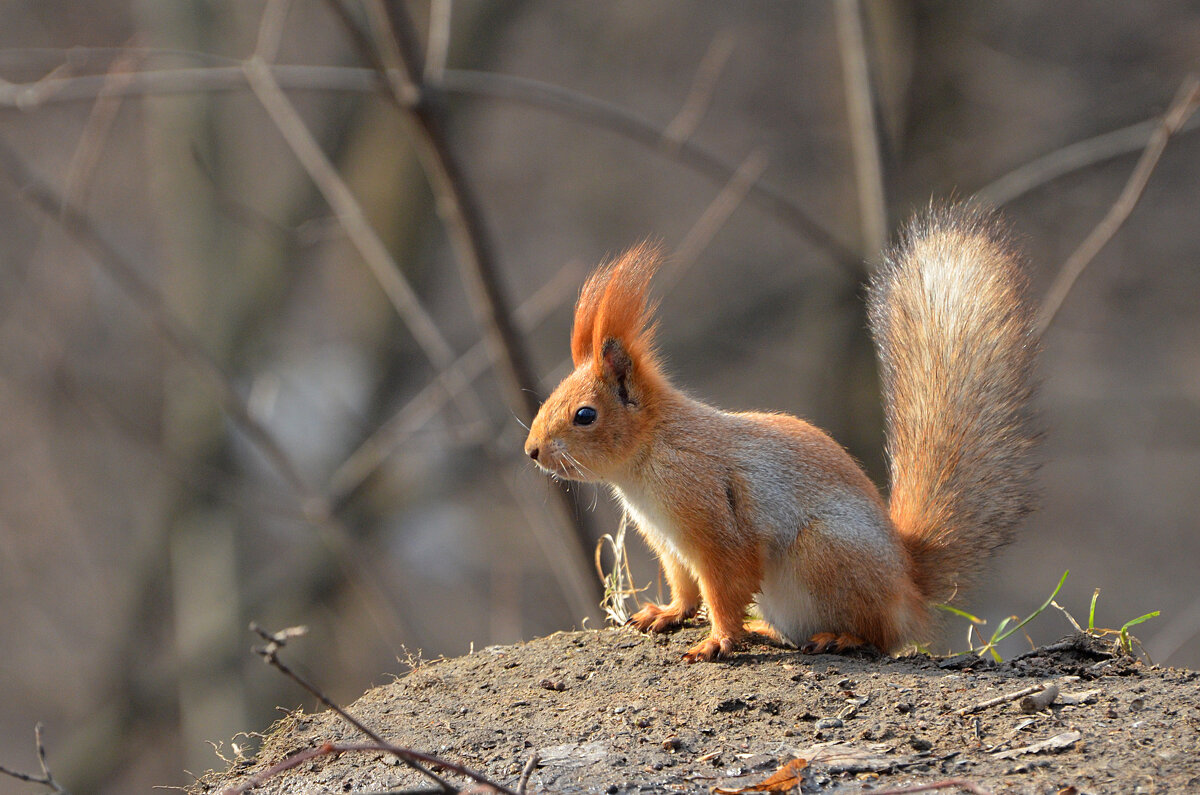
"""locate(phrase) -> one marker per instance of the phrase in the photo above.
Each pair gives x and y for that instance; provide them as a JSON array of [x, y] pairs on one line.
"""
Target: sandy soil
[[614, 711]]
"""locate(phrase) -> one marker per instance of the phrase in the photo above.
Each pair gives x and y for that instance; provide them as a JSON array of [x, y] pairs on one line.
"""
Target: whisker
[[584, 472]]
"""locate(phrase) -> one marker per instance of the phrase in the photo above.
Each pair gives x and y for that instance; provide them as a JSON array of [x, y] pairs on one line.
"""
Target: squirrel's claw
[[711, 648]]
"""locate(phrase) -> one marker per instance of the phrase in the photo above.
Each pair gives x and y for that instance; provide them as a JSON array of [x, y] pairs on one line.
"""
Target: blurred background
[[275, 392]]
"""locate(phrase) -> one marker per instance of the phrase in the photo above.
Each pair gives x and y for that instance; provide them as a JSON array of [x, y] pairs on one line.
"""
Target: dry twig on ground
[[417, 760]]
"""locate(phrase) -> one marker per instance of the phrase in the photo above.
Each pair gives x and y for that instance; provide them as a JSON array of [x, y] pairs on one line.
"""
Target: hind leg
[[767, 632]]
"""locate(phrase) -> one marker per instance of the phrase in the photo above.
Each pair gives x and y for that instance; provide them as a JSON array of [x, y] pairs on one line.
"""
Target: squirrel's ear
[[617, 366]]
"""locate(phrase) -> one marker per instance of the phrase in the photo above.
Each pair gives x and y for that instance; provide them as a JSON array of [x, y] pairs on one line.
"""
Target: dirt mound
[[614, 711]]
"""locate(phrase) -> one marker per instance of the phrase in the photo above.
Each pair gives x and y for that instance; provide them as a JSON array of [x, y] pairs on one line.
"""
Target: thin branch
[[349, 213], [394, 57], [715, 216], [80, 227], [315, 507], [1071, 158], [441, 14], [526, 773], [270, 654], [457, 203], [424, 406], [548, 97], [623, 122], [47, 778], [99, 123], [1004, 699], [406, 754], [699, 97], [270, 30], [1186, 101], [352, 218], [864, 131], [507, 88]]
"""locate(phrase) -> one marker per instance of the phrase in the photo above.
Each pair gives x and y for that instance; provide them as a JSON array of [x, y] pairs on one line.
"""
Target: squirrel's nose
[[532, 452]]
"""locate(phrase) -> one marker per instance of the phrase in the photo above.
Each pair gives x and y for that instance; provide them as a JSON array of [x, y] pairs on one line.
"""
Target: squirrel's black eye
[[585, 415]]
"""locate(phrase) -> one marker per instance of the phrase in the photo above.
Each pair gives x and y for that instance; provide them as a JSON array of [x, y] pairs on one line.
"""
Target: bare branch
[[349, 214], [315, 507], [394, 57], [700, 95], [95, 130], [1186, 101], [526, 773], [47, 778], [1072, 158], [507, 88], [529, 315], [406, 754], [440, 16], [1004, 699], [456, 202], [864, 132], [270, 31], [715, 215], [270, 654]]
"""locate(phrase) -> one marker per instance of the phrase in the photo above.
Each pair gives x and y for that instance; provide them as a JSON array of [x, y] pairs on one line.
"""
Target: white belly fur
[[653, 521]]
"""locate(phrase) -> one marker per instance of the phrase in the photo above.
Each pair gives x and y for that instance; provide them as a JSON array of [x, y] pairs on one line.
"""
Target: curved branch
[[455, 82], [1186, 102], [1071, 158]]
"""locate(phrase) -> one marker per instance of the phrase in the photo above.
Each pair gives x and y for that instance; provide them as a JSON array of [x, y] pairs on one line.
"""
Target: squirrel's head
[[601, 414]]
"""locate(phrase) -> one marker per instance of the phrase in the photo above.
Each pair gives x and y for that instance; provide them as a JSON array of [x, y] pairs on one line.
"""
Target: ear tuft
[[614, 304]]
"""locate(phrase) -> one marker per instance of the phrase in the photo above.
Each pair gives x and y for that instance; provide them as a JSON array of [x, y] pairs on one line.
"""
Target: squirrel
[[756, 506]]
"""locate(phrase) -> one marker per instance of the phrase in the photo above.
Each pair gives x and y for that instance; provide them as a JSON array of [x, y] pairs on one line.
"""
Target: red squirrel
[[758, 506]]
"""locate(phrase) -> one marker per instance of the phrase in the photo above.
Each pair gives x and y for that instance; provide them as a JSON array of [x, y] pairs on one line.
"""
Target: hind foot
[[835, 642], [765, 631]]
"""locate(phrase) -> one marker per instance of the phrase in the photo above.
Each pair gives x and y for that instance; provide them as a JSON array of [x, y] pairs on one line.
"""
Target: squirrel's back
[[956, 339]]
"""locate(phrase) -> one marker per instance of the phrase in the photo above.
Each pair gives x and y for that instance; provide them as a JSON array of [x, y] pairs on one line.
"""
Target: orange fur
[[614, 303], [746, 505]]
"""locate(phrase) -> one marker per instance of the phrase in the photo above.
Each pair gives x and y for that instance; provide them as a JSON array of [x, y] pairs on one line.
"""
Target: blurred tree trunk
[[203, 284]]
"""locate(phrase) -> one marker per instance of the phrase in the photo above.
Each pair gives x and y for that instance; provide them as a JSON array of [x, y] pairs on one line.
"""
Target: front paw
[[711, 648], [656, 618]]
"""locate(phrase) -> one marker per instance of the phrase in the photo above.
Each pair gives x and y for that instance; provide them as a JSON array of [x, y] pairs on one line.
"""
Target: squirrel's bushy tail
[[955, 333]]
